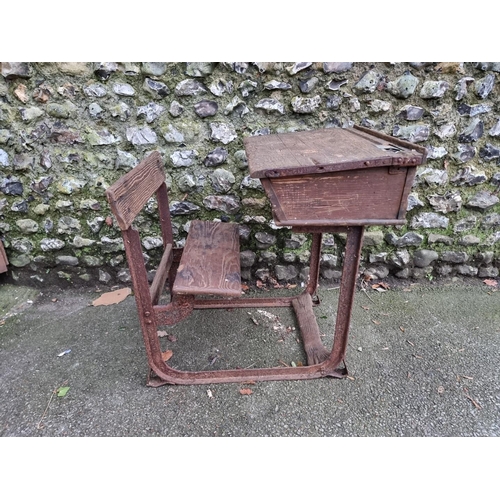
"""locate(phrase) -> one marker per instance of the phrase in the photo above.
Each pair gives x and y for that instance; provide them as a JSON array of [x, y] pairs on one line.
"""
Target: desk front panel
[[355, 197]]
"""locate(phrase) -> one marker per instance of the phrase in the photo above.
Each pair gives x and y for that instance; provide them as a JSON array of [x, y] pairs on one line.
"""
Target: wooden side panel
[[409, 146], [165, 219], [210, 262], [129, 194], [356, 196], [410, 178], [3, 259], [161, 274]]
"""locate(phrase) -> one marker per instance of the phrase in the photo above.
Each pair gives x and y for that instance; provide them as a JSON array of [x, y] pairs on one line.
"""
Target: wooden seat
[[210, 262]]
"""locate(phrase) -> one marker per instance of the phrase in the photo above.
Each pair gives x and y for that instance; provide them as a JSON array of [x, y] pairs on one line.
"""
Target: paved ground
[[423, 361]]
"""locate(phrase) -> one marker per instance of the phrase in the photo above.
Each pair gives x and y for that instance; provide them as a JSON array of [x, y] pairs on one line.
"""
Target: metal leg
[[347, 289], [321, 362], [312, 285]]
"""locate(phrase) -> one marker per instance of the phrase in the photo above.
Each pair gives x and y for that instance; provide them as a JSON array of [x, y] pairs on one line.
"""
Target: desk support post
[[347, 289], [312, 284]]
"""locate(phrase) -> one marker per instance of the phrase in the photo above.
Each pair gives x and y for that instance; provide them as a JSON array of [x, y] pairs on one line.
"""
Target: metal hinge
[[393, 170]]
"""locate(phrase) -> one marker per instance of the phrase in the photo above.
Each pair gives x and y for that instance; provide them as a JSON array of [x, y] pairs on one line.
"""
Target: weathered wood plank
[[326, 150], [4, 262], [161, 274], [337, 197], [129, 194], [313, 347], [210, 262]]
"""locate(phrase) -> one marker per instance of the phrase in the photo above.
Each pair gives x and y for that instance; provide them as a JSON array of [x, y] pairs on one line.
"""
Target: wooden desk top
[[327, 150], [335, 177]]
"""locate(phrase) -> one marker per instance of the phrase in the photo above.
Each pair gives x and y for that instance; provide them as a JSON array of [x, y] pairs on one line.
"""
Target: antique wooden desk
[[333, 181], [322, 181]]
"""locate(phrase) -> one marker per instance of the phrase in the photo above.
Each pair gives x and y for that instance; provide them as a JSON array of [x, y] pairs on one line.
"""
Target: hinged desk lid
[[327, 150]]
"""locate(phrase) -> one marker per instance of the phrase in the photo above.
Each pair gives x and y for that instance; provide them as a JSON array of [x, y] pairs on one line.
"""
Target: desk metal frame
[[321, 361], [340, 158]]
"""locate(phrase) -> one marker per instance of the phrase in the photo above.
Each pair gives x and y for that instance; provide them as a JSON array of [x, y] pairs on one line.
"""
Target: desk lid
[[327, 150]]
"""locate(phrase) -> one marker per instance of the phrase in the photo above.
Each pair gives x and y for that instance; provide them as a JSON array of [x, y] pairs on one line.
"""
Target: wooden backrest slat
[[3, 259], [128, 195]]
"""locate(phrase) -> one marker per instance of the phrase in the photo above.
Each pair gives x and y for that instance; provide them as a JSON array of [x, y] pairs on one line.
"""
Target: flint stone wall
[[69, 130]]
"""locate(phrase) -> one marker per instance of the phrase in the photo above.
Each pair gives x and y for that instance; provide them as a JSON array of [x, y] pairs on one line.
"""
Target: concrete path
[[422, 360]]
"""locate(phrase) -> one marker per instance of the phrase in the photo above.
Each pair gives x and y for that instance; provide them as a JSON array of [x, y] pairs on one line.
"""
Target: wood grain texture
[[326, 150], [162, 274], [129, 194], [357, 197], [410, 178], [313, 347], [210, 262], [4, 262], [164, 212]]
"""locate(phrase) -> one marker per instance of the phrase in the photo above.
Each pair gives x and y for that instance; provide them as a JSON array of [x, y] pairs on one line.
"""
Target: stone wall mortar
[[69, 130]]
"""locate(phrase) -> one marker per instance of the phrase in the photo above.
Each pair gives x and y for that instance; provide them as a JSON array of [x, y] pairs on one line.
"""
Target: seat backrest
[[129, 194], [127, 197]]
